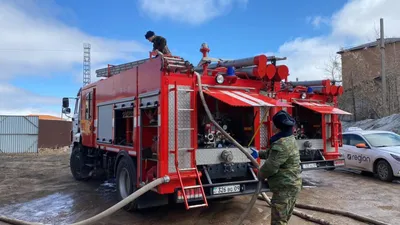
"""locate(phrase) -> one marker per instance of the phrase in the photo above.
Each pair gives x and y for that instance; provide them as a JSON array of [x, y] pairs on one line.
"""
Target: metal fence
[[19, 134], [54, 133]]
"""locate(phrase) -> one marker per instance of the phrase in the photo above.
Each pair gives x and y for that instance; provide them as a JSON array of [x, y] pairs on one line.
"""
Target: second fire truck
[[144, 120]]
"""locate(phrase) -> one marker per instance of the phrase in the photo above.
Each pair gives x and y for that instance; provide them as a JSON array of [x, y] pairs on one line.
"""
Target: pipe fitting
[[227, 156], [307, 144]]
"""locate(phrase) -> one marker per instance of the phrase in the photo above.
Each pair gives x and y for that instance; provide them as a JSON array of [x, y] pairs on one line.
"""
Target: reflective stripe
[[112, 149], [132, 153], [252, 98], [240, 98]]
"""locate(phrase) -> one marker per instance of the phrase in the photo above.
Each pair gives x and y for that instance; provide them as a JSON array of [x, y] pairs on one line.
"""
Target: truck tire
[[126, 181], [384, 171], [77, 165]]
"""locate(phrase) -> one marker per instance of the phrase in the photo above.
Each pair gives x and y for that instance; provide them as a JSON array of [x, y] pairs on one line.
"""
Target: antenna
[[86, 64]]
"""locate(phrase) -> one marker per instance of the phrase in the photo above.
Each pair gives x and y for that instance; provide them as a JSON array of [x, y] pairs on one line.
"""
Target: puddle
[[107, 190], [64, 207], [42, 209]]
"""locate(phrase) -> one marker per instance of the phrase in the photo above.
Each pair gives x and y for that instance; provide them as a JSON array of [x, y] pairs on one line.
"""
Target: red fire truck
[[144, 120]]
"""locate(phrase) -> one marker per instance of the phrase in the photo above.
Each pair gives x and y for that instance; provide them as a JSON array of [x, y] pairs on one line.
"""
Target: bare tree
[[333, 68]]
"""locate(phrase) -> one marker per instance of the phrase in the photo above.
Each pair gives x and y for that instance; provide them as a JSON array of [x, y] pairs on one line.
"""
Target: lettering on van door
[[358, 158]]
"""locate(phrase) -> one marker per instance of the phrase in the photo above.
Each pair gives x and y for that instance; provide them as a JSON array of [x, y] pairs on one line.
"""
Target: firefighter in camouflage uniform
[[281, 168]]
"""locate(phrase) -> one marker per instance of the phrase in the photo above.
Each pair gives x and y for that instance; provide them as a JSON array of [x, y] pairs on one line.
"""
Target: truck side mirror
[[65, 102]]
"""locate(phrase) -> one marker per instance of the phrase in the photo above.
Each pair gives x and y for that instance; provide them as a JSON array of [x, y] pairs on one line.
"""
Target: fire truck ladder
[[186, 189]]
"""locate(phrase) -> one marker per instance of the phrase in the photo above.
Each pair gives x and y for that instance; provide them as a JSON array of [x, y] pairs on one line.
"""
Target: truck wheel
[[77, 164], [126, 181], [384, 171]]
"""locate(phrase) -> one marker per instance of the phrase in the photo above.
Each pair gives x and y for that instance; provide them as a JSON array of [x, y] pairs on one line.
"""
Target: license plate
[[226, 189], [310, 165], [339, 163]]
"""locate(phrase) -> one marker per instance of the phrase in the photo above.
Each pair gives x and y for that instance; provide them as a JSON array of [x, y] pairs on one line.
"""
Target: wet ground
[[41, 189]]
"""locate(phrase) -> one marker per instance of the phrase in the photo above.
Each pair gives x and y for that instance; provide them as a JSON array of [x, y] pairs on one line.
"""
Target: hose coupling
[[166, 179]]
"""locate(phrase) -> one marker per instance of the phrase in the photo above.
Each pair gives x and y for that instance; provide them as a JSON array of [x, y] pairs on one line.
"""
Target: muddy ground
[[41, 189]]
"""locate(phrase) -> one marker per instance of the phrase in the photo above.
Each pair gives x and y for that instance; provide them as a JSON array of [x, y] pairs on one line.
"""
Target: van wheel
[[384, 171], [126, 181], [77, 164]]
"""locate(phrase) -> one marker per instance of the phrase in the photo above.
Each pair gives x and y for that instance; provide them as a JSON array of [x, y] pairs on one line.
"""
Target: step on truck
[[143, 120]]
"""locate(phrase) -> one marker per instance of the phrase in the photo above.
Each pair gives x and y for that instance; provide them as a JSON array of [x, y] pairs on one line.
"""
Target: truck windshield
[[383, 139]]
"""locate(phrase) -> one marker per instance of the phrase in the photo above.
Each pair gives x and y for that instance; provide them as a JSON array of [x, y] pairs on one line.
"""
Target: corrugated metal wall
[[19, 134]]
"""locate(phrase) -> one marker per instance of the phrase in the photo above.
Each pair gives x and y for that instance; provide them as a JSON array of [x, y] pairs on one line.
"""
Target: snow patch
[[388, 123]]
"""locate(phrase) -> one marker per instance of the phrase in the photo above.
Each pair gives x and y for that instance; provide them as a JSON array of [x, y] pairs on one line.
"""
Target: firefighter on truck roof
[[281, 168], [159, 43]]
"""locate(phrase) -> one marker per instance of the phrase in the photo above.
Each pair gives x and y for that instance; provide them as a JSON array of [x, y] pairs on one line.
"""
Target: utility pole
[[353, 96], [382, 47]]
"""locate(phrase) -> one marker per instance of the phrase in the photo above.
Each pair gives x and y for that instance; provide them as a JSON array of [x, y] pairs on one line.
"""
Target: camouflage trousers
[[282, 205]]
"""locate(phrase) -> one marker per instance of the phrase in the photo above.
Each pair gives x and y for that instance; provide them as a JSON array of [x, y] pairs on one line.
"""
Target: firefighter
[[159, 43], [281, 168]]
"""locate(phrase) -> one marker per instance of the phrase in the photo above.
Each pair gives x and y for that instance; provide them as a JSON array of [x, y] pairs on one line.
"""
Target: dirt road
[[41, 189]]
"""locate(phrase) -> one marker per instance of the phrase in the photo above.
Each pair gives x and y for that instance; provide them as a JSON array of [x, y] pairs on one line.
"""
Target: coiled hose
[[108, 211], [259, 185]]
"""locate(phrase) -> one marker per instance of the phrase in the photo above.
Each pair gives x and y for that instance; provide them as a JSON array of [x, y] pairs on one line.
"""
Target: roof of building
[[46, 117], [369, 45]]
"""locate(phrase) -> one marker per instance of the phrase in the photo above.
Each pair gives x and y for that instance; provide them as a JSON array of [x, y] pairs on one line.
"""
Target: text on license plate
[[310, 165], [226, 189]]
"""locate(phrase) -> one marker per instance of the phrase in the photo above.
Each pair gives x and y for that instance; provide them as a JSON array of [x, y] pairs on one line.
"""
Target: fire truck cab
[[145, 120]]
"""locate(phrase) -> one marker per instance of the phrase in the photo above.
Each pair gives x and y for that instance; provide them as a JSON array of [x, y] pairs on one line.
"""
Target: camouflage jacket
[[282, 165], [160, 44]]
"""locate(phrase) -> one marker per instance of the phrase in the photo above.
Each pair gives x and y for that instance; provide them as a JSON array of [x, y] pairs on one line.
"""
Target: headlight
[[396, 157], [303, 95], [219, 79]]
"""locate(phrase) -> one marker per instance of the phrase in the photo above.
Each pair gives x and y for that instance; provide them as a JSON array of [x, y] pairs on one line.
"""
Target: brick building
[[361, 78]]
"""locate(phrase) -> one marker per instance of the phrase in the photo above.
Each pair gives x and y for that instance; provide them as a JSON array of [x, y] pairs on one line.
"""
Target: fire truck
[[143, 120]]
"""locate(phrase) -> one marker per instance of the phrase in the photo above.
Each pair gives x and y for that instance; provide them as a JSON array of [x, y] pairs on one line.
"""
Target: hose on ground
[[342, 213], [108, 211], [16, 221], [331, 211], [299, 213]]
